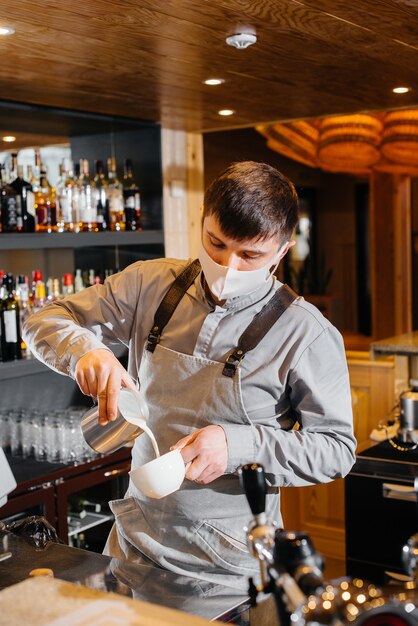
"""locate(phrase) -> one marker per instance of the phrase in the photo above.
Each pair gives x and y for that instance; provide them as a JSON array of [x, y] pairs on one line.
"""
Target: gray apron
[[197, 531]]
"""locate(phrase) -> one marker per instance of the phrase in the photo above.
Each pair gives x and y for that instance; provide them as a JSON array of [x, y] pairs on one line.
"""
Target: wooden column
[[403, 257], [390, 254], [183, 187]]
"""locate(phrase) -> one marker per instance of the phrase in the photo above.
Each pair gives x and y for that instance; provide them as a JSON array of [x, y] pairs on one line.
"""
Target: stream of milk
[[148, 431], [130, 411]]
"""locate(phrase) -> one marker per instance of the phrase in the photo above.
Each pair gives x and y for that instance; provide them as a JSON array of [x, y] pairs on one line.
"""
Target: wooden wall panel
[[390, 255]]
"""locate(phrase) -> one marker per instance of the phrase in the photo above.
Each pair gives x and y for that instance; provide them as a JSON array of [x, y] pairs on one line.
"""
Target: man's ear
[[286, 247]]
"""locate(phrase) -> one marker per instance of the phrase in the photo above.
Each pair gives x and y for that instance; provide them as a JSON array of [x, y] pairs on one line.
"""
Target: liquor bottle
[[61, 203], [26, 204], [87, 201], [10, 322], [9, 206], [67, 285], [107, 273], [35, 172], [78, 281], [45, 205], [12, 169], [2, 289], [131, 198], [65, 196], [93, 278], [39, 299], [2, 294], [37, 160], [115, 196], [76, 198], [53, 289], [102, 201], [36, 278], [22, 295], [33, 178]]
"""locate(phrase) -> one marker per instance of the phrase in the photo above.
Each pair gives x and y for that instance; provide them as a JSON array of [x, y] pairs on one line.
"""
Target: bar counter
[[141, 582]]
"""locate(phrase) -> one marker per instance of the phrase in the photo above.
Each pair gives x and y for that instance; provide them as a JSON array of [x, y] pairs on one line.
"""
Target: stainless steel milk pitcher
[[132, 410]]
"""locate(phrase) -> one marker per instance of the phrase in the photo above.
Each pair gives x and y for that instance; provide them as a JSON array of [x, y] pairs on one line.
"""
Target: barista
[[221, 409]]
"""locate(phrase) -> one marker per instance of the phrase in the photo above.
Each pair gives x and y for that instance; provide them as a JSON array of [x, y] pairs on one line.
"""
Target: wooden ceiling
[[147, 59]]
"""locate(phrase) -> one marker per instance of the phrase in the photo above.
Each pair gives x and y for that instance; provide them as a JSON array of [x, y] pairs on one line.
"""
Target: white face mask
[[226, 282]]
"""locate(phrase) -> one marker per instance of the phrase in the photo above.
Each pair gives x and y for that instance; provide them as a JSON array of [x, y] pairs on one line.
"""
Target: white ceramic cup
[[161, 476]]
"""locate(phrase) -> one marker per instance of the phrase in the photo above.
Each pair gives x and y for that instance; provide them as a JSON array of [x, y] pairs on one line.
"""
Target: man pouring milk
[[234, 369]]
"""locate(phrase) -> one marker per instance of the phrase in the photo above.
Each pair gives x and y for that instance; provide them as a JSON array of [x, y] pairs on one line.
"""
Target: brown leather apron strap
[[259, 327], [170, 302]]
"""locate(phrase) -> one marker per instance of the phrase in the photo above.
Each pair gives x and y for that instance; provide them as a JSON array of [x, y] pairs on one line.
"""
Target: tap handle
[[254, 484]]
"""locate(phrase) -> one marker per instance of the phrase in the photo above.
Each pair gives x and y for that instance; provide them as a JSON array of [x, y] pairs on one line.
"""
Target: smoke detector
[[241, 41]]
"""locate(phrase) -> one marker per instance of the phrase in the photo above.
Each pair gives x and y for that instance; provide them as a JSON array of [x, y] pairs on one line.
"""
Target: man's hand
[[100, 375], [207, 451]]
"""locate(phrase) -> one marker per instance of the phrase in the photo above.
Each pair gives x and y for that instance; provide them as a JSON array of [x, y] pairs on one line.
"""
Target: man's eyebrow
[[214, 236], [252, 250], [255, 251]]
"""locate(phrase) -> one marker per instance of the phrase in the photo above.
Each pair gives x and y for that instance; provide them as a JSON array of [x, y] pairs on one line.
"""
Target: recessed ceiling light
[[9, 138], [6, 31], [226, 112], [214, 81], [401, 90]]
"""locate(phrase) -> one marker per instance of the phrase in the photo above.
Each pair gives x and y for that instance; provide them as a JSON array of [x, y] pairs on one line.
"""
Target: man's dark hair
[[252, 201]]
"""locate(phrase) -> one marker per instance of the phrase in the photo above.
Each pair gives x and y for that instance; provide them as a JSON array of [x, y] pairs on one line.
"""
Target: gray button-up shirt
[[298, 372]]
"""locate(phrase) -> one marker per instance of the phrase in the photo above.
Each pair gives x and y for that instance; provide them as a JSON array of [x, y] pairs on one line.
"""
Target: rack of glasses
[[54, 436]]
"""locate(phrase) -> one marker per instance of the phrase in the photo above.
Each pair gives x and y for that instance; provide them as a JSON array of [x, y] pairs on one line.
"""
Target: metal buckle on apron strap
[[260, 325], [153, 338], [232, 362], [170, 302]]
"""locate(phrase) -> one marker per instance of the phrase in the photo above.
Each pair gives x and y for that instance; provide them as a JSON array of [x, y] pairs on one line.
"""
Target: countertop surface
[[45, 601], [30, 473], [406, 344], [382, 459], [120, 576]]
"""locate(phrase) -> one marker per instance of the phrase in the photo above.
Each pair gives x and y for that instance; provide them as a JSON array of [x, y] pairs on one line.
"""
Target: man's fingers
[[81, 382], [102, 402], [207, 476], [91, 383], [196, 468], [113, 387], [186, 441], [107, 395], [99, 374]]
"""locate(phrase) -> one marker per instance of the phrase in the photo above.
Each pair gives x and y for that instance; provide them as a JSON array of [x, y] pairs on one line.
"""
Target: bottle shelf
[[42, 241], [77, 525], [23, 367]]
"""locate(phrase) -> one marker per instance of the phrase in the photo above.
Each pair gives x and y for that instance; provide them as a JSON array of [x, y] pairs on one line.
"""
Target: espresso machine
[[407, 415], [292, 571], [408, 405]]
